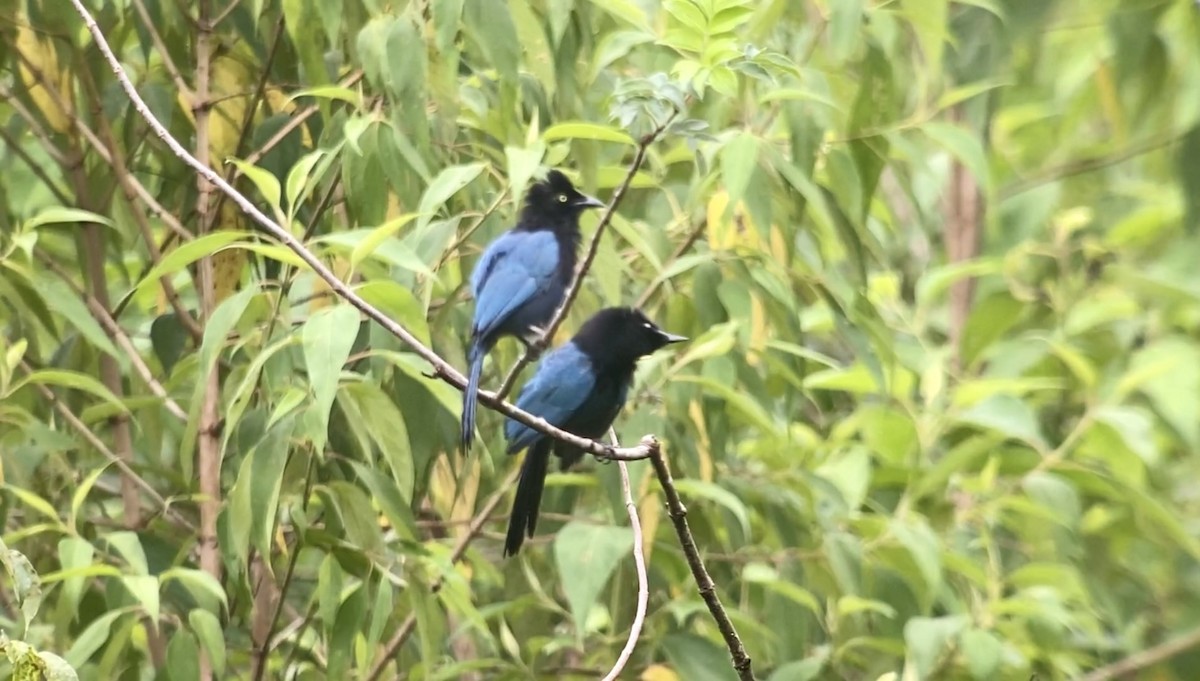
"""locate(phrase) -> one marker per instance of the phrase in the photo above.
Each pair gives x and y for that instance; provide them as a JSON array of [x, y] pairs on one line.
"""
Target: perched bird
[[522, 277], [579, 387]]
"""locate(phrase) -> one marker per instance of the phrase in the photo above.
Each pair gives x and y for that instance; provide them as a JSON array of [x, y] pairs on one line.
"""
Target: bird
[[522, 277], [579, 387]]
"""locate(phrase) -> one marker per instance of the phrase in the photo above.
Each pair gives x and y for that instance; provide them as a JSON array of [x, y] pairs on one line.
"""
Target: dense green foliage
[[939, 418]]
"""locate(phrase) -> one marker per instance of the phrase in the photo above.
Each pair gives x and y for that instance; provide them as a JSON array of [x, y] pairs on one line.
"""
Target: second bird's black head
[[618, 337], [555, 202]]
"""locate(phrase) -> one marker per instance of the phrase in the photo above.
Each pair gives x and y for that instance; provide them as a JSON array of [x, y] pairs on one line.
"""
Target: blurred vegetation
[[939, 420]]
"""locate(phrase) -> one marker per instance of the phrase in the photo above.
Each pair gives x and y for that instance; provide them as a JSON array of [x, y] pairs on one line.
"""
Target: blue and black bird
[[579, 387], [522, 277]]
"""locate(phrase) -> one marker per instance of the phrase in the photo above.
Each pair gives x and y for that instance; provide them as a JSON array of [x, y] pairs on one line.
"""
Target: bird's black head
[[619, 336], [555, 202]]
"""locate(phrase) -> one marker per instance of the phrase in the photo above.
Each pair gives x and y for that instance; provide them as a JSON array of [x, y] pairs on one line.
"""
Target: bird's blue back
[[517, 283], [567, 392]]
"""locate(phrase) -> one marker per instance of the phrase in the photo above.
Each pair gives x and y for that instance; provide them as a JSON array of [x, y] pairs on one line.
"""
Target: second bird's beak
[[672, 338], [585, 201]]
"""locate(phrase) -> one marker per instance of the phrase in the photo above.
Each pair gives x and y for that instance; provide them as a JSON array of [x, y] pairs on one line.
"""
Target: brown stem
[[209, 442], [582, 270], [1142, 659], [708, 590]]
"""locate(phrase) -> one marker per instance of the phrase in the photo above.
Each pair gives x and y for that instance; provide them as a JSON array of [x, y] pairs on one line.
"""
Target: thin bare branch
[[95, 441], [639, 562], [161, 47], [580, 272], [1142, 659], [473, 529], [708, 590], [118, 336], [692, 237]]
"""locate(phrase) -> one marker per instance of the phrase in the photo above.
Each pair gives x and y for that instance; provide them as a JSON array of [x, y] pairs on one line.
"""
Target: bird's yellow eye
[[562, 198]]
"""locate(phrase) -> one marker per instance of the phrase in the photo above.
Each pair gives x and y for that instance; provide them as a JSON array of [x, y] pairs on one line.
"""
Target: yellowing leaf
[[38, 69], [659, 672]]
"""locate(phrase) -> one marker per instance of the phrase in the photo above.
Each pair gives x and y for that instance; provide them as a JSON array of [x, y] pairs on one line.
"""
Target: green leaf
[[266, 183], [62, 300], [201, 584], [927, 638], [375, 237], [58, 215], [93, 637], [391, 251], [586, 556], [357, 516], [447, 183], [183, 657], [983, 651], [145, 589], [490, 23], [26, 585], [739, 158], [691, 487], [587, 131], [328, 337], [406, 57], [298, 179], [332, 92], [130, 547], [185, 254], [385, 426], [71, 379], [1008, 416], [74, 553], [212, 639]]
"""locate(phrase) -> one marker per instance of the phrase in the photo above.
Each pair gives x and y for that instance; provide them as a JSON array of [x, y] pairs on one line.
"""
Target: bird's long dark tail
[[470, 396], [523, 520]]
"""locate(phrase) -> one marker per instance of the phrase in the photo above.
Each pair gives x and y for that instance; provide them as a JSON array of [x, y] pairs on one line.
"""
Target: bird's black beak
[[585, 201], [672, 338]]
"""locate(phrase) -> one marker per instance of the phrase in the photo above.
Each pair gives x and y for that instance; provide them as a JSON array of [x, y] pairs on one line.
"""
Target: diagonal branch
[[580, 272], [708, 590], [92, 439], [118, 335], [473, 529], [442, 369]]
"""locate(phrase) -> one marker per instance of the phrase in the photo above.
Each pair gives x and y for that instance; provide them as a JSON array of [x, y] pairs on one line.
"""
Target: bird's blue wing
[[512, 270], [561, 385]]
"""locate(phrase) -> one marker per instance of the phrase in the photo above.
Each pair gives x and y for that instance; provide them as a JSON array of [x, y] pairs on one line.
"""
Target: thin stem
[[683, 248], [639, 562], [161, 47], [95, 441], [708, 590], [410, 623], [580, 272]]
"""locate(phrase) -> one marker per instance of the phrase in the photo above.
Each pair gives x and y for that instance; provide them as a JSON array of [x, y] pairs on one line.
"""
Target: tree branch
[[580, 272], [1146, 658], [708, 590], [639, 562]]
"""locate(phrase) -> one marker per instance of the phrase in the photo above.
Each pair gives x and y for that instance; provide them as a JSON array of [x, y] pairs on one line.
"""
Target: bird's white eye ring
[[562, 198], [648, 325]]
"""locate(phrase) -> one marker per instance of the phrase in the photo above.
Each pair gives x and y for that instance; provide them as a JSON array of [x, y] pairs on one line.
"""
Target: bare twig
[[409, 624], [581, 271], [1142, 659], [176, 76], [34, 166], [95, 441], [295, 122], [708, 590], [692, 237], [462, 238], [118, 335], [639, 562]]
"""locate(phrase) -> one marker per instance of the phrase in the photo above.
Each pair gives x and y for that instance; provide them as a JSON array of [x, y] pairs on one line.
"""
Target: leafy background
[[939, 418]]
